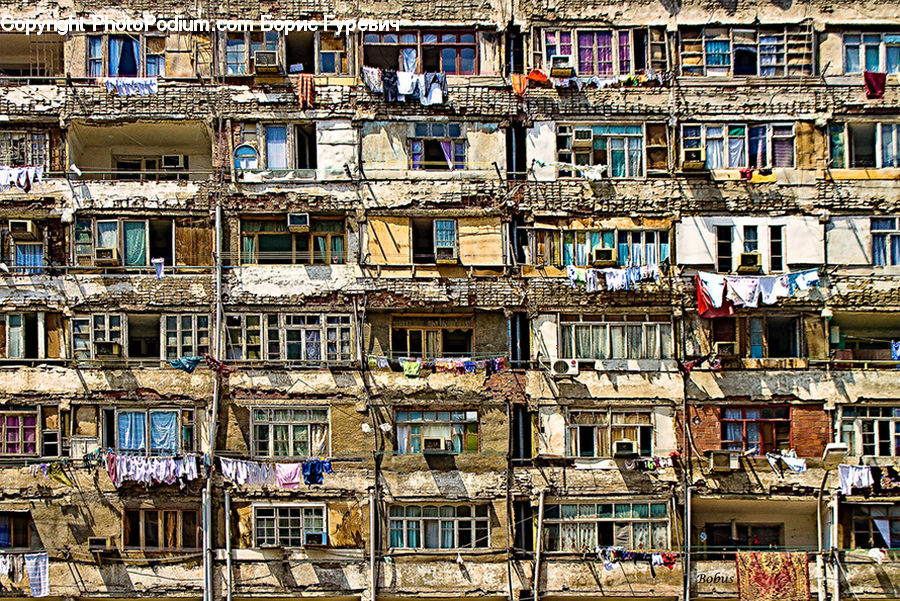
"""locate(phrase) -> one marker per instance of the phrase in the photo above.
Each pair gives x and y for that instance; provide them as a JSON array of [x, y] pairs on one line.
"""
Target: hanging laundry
[[314, 470], [616, 279], [289, 475], [746, 172], [895, 350], [434, 89], [187, 364], [407, 83], [875, 84], [158, 265], [772, 576], [537, 76], [372, 78], [877, 555], [246, 473], [37, 566], [57, 474], [519, 83], [389, 85], [773, 288], [576, 275], [217, 366], [411, 368], [24, 178], [854, 476], [306, 90], [742, 291], [130, 86]]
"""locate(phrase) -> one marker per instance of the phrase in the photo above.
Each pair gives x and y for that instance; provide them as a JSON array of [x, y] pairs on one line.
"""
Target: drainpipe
[[836, 591], [206, 536], [228, 577], [373, 514], [821, 591], [537, 554], [687, 542]]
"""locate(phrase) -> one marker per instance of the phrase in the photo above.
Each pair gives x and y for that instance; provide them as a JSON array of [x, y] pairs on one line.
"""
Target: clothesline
[[412, 366], [130, 86], [34, 565], [285, 474], [718, 294], [396, 86], [23, 177], [615, 278]]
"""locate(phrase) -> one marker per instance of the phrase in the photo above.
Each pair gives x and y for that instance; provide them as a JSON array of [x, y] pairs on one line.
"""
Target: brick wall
[[810, 428]]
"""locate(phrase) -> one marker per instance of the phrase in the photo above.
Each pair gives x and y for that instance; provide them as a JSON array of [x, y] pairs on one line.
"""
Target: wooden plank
[[389, 240], [480, 240]]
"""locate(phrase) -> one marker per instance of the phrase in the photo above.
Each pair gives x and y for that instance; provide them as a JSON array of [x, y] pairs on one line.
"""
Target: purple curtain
[[585, 53], [604, 53], [624, 52], [447, 147]]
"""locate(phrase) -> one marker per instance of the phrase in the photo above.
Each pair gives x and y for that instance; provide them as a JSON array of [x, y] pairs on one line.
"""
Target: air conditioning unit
[[107, 350], [726, 349], [79, 447], [174, 161], [319, 539], [100, 544], [561, 66], [266, 61], [693, 159], [584, 137], [298, 222], [434, 445], [106, 256], [22, 229], [446, 255], [750, 263], [625, 448], [724, 461], [603, 256], [564, 367]]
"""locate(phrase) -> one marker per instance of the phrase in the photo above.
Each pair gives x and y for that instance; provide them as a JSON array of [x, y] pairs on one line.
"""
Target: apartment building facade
[[483, 308]]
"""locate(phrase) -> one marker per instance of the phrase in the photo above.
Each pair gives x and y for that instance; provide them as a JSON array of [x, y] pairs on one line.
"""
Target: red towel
[[306, 89], [537, 76], [874, 84], [746, 173], [705, 306], [519, 82]]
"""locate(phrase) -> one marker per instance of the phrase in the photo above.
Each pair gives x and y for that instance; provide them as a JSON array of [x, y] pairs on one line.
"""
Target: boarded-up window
[[480, 241], [193, 242], [388, 240], [657, 147], [53, 326]]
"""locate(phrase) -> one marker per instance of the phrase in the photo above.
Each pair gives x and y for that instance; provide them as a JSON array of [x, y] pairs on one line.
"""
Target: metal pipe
[[206, 536], [820, 536], [537, 553], [228, 576], [373, 514], [688, 500], [836, 591]]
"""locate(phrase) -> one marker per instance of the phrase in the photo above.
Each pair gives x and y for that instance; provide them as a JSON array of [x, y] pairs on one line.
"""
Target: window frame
[[298, 256], [142, 535], [553, 523], [426, 131], [277, 521], [419, 523], [271, 423], [18, 521], [762, 447], [102, 61], [377, 39], [35, 148], [650, 325], [567, 150], [862, 514], [106, 329], [337, 338], [543, 54], [851, 429], [425, 328], [195, 346], [771, 136], [841, 150], [778, 42], [861, 45], [21, 413], [604, 429], [253, 41], [405, 418], [186, 417]]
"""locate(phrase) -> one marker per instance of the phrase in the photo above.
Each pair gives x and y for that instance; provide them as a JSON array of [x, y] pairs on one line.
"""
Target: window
[[437, 147], [637, 248], [585, 247], [855, 145], [156, 56], [95, 56], [186, 335], [776, 248], [872, 52], [769, 52], [774, 337], [751, 239], [16, 529], [21, 335], [741, 145], [434, 241], [451, 52], [241, 47], [876, 526], [762, 430], [885, 241], [100, 327], [439, 526], [126, 55], [18, 431], [594, 433], [24, 149], [128, 242], [29, 255], [290, 526], [431, 337], [619, 149], [290, 432], [425, 431], [579, 527], [246, 157], [157, 432], [300, 51], [607, 53], [871, 431], [727, 538], [723, 248], [591, 337], [724, 335], [306, 338], [161, 529], [271, 241]]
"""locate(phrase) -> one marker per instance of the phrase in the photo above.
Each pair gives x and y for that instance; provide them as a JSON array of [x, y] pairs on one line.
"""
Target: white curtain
[[736, 152], [715, 149]]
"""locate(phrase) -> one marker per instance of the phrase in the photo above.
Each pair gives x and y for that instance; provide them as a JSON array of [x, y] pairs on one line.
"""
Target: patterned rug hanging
[[769, 576]]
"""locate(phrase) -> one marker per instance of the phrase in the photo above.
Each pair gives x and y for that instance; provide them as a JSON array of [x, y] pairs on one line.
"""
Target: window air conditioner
[[22, 229], [693, 159], [446, 254], [564, 367], [266, 61], [584, 137], [624, 448], [603, 256], [316, 539], [750, 263], [726, 349], [561, 66], [106, 256], [298, 222], [724, 461], [107, 350], [99, 544], [79, 447], [434, 445]]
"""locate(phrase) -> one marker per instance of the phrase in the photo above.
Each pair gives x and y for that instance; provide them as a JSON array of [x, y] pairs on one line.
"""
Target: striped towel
[[306, 90]]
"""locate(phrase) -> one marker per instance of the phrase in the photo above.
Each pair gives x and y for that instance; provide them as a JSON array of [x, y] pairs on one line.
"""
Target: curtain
[[783, 152], [718, 53], [624, 52], [882, 525], [889, 135], [116, 44], [313, 345], [622, 259], [403, 439], [447, 148], [635, 155], [337, 249], [14, 336], [447, 534], [715, 149], [604, 53], [5, 532], [132, 431], [107, 234], [248, 249], [276, 148], [568, 248], [135, 45], [95, 51], [583, 342], [320, 249], [895, 250], [281, 446], [164, 432], [30, 255], [585, 53], [851, 59], [582, 249], [892, 55], [408, 59], [617, 337], [757, 146], [432, 534], [135, 233], [417, 154], [836, 137], [736, 152], [617, 157]]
